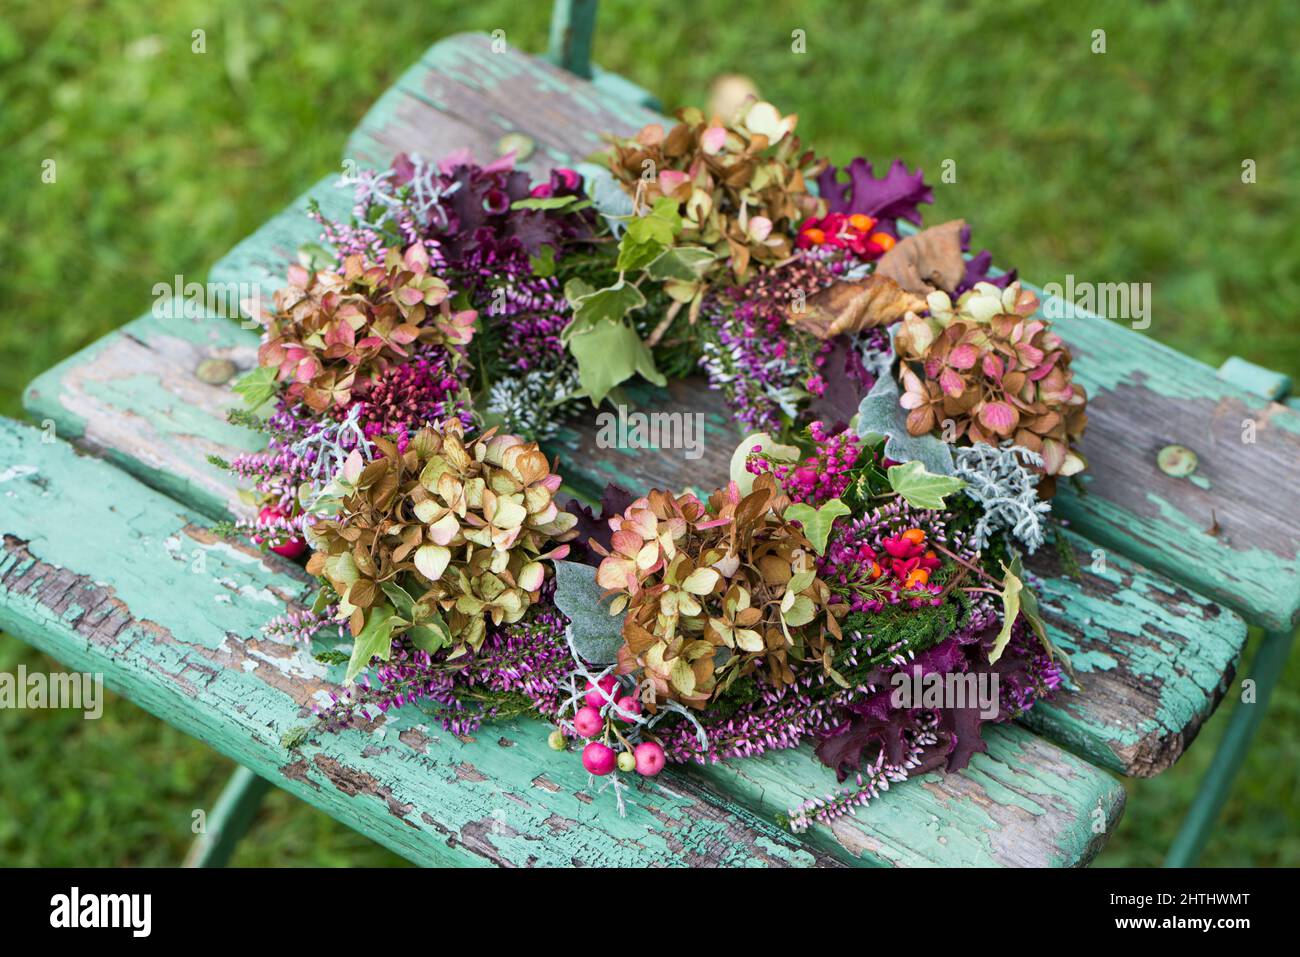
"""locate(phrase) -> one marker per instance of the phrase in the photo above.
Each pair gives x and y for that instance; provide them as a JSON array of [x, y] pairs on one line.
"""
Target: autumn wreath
[[856, 583]]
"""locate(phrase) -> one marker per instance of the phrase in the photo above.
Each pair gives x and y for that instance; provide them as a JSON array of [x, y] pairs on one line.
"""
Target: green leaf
[[570, 204], [922, 489], [608, 354], [593, 307], [1011, 589], [800, 612], [543, 264], [687, 263], [400, 598], [430, 635], [660, 225], [597, 635], [681, 676], [799, 581], [633, 255], [375, 640], [701, 581], [817, 522], [257, 386], [1029, 611]]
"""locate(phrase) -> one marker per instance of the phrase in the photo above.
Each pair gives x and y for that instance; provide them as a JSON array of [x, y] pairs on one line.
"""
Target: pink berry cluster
[[605, 706]]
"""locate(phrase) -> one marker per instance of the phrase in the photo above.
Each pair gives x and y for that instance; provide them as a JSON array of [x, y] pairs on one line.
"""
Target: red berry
[[627, 705], [649, 758], [290, 549], [608, 684], [599, 759], [588, 722]]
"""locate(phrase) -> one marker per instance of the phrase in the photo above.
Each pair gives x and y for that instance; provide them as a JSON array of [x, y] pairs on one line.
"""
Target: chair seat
[[1153, 656]]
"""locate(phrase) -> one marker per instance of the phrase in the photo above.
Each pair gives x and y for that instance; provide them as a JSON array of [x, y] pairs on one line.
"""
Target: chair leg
[[573, 23], [229, 821], [1265, 670]]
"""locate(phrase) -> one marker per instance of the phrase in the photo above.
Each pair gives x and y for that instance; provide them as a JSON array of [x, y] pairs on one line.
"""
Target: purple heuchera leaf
[[894, 197], [613, 501], [847, 381]]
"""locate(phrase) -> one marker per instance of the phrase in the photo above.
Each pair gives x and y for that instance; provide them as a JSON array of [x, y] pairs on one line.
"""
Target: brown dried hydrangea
[[715, 592], [742, 185], [443, 535], [332, 332], [998, 373]]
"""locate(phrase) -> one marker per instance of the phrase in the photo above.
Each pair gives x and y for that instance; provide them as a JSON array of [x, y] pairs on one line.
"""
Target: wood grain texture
[[1135, 717], [1231, 530], [170, 615]]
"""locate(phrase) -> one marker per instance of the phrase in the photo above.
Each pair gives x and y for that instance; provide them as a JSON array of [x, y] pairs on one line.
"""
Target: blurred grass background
[[1116, 167]]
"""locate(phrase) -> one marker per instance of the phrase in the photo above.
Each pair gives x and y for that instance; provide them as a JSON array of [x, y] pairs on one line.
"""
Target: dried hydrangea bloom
[[446, 534], [996, 371], [332, 332], [715, 592], [742, 186]]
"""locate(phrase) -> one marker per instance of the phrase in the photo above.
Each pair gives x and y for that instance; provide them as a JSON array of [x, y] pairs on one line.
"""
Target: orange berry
[[875, 570], [915, 535], [883, 240], [918, 576], [816, 236], [861, 222]]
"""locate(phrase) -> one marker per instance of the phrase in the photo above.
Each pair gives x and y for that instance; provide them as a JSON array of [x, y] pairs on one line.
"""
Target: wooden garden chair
[[109, 564]]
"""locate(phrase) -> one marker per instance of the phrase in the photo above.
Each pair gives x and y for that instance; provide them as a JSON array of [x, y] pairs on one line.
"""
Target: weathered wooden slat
[[985, 813], [111, 577], [134, 397], [1135, 717], [463, 94], [1231, 529]]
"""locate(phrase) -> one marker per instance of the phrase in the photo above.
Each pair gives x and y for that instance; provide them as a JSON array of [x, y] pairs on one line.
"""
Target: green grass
[[1115, 167]]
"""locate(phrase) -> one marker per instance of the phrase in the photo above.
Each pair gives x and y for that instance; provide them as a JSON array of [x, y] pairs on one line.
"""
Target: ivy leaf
[[1011, 589], [922, 489], [817, 522], [257, 386], [660, 225], [633, 255], [597, 635], [375, 640], [592, 307], [610, 353], [687, 263], [400, 598]]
